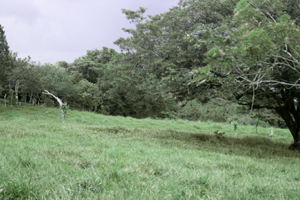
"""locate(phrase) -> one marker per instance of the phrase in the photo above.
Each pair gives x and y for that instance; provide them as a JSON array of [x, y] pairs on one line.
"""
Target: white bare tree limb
[[60, 103], [57, 99]]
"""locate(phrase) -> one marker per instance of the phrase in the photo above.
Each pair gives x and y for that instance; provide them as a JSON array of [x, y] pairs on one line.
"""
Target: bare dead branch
[[60, 105], [57, 99]]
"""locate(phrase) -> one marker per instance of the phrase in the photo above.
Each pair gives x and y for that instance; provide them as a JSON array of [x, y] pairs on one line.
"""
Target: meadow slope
[[94, 156]]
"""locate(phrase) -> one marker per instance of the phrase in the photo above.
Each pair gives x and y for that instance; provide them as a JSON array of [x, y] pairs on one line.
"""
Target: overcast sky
[[57, 30]]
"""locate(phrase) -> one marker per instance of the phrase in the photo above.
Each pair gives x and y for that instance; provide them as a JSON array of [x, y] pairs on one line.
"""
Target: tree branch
[[256, 8], [60, 103], [57, 99]]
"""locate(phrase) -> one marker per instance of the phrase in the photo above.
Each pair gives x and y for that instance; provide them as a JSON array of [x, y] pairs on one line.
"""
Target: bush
[[217, 110], [245, 119]]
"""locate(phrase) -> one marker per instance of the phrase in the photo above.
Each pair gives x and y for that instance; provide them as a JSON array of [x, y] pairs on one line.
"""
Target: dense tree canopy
[[172, 44]]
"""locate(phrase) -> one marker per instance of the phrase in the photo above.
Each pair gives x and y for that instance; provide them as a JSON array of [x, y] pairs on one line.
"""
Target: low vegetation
[[94, 156]]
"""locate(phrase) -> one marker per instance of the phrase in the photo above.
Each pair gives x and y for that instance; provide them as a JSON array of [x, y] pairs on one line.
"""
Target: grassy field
[[102, 157]]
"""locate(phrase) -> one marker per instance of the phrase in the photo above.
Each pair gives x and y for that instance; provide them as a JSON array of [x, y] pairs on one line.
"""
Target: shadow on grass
[[258, 147], [18, 190]]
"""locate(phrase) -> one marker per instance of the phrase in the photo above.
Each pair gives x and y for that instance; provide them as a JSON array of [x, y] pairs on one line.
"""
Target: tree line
[[244, 52]]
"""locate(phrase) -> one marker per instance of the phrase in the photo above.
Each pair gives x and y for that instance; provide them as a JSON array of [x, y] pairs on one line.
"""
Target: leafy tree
[[164, 49], [13, 71], [5, 58], [172, 44], [63, 64], [89, 94], [20, 75], [25, 80], [112, 82], [90, 65], [258, 63], [127, 90], [32, 83], [57, 80], [90, 71]]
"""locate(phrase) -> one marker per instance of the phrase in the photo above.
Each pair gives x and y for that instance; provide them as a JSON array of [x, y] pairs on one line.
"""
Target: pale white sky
[[57, 30]]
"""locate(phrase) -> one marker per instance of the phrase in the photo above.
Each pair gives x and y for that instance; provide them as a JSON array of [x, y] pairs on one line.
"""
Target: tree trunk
[[16, 91], [60, 105], [291, 116], [295, 134], [30, 99], [5, 100], [63, 115], [11, 98]]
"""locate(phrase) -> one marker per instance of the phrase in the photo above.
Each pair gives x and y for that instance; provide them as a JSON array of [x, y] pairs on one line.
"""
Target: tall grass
[[37, 113], [103, 157]]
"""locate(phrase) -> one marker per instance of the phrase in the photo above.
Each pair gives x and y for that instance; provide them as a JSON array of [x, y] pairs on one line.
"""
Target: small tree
[[235, 126], [63, 106]]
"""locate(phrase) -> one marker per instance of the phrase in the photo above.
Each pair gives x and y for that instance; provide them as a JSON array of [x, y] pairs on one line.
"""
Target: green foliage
[[5, 57], [89, 94], [217, 110], [57, 80], [135, 16], [1, 89], [24, 78], [130, 90], [235, 125], [155, 64], [259, 64], [10, 92], [64, 107], [91, 65], [172, 44], [220, 110]]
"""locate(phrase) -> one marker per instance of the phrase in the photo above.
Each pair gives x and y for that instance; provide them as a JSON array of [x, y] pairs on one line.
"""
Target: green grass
[[37, 113], [102, 157]]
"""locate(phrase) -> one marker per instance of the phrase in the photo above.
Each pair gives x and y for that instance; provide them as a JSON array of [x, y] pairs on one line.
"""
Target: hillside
[[94, 156]]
